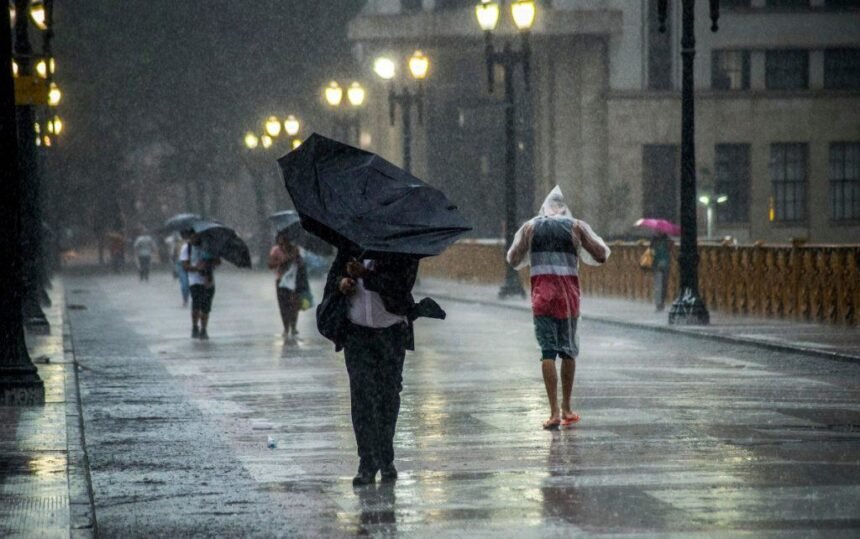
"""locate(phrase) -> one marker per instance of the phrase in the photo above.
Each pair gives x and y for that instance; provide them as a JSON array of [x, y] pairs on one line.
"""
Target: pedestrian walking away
[[176, 245], [553, 243], [662, 249], [200, 267], [291, 281], [143, 249]]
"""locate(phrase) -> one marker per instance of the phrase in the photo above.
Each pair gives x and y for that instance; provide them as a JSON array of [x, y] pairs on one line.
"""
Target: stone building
[[777, 112]]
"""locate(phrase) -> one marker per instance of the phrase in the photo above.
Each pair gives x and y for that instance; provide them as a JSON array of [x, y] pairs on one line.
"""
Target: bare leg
[[204, 321], [195, 317], [568, 370], [550, 380]]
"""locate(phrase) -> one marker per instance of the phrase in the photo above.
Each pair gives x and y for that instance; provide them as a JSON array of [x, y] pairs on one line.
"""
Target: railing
[[818, 283]]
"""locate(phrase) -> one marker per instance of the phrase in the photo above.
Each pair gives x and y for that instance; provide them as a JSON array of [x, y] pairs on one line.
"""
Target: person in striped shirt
[[553, 243]]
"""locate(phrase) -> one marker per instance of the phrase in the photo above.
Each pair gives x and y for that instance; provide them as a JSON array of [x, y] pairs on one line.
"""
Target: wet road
[[678, 435]]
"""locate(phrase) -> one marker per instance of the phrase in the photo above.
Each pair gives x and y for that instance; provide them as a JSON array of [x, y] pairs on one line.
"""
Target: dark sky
[[192, 75]]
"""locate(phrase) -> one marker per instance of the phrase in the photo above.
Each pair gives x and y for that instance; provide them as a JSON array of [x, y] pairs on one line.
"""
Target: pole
[[688, 308], [19, 380], [512, 285], [406, 110], [31, 224]]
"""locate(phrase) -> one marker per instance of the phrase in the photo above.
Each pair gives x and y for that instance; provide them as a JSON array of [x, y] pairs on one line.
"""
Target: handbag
[[333, 316], [646, 261]]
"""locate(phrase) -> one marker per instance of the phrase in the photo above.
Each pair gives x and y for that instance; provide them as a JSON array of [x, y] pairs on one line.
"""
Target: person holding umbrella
[[382, 221], [200, 266], [553, 244], [290, 279], [662, 251]]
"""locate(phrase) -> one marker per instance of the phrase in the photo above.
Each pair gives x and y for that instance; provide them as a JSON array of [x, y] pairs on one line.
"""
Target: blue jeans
[[183, 282]]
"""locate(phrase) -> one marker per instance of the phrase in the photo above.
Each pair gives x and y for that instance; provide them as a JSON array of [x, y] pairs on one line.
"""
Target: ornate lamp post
[[523, 14], [419, 66], [255, 144], [346, 121], [19, 380], [689, 307]]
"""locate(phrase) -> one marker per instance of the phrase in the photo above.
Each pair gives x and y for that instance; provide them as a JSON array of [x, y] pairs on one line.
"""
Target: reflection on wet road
[[678, 434]]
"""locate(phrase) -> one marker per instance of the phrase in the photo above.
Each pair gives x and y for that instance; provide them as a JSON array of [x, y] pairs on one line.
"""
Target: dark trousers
[[143, 263], [288, 304], [374, 361]]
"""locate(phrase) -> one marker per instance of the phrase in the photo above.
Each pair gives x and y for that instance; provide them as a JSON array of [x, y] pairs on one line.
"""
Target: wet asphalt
[[678, 435]]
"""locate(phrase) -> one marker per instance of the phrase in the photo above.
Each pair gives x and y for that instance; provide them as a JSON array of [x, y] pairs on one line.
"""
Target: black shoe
[[388, 473], [195, 333], [203, 335], [364, 477]]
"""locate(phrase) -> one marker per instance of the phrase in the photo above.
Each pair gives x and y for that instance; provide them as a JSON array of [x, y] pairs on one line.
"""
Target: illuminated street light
[[39, 15], [384, 67], [523, 13], [355, 94], [54, 95], [487, 13], [14, 68], [333, 94], [58, 125], [296, 143], [273, 126], [419, 64], [267, 141], [42, 68], [291, 125], [251, 140]]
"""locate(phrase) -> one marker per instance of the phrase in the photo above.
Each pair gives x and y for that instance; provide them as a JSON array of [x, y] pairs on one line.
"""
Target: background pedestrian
[[143, 249]]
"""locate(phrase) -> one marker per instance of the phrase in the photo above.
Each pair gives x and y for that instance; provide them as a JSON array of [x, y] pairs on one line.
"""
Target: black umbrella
[[288, 222], [222, 241], [179, 222], [353, 198]]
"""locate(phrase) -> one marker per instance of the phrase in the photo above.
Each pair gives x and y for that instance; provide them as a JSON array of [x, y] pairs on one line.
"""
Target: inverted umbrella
[[660, 225], [179, 222], [353, 198], [222, 241], [288, 222]]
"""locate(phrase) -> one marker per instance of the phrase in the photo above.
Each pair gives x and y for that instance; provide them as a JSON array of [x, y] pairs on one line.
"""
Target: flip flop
[[551, 425], [570, 420]]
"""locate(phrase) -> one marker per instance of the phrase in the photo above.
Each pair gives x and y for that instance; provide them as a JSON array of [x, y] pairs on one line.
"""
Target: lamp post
[[346, 119], [689, 307], [523, 14], [419, 65], [20, 383], [255, 144]]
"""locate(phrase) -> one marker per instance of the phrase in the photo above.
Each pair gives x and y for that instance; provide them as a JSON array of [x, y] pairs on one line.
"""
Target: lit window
[[730, 70]]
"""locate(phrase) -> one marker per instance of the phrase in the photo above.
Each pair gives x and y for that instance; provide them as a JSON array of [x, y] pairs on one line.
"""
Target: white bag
[[288, 279]]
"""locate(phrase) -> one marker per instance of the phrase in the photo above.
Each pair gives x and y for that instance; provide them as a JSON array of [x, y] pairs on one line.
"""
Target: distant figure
[[553, 243], [143, 248], [200, 267], [116, 247], [290, 280], [662, 248], [175, 245]]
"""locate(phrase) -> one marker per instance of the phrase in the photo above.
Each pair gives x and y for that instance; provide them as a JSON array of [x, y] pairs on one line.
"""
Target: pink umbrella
[[660, 225]]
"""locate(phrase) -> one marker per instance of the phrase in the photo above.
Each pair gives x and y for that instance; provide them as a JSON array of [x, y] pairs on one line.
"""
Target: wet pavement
[[679, 435], [43, 482]]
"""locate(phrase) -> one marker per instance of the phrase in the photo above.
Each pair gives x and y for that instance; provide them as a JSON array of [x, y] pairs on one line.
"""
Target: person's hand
[[347, 286], [355, 269]]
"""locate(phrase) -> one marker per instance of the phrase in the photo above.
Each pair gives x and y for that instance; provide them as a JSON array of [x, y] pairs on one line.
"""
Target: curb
[[835, 356], [82, 516]]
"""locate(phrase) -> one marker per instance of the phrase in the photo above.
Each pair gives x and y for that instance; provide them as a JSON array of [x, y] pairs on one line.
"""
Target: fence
[[800, 282]]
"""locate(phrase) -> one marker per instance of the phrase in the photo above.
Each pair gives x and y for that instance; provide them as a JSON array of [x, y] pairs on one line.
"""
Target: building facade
[[777, 112]]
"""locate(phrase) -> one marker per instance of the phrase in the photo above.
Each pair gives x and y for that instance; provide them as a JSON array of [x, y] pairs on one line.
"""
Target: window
[[842, 69], [455, 4], [844, 4], [734, 4], [410, 6], [787, 70], [659, 50], [730, 70], [844, 181], [788, 178], [660, 174], [732, 179]]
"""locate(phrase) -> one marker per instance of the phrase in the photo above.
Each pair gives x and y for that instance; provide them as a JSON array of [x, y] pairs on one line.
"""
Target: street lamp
[[345, 122], [689, 307], [419, 66], [291, 126], [272, 126], [523, 13], [251, 140], [710, 203]]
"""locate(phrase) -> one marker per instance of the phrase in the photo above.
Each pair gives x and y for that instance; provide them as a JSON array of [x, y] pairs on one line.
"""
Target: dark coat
[[392, 278]]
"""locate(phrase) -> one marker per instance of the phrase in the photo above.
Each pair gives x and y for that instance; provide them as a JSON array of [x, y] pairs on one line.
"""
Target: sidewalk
[[830, 341], [44, 477]]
